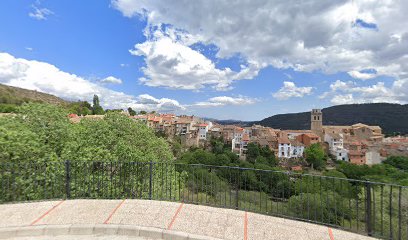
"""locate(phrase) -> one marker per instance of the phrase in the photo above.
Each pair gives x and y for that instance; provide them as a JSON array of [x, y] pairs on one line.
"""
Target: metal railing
[[370, 208]]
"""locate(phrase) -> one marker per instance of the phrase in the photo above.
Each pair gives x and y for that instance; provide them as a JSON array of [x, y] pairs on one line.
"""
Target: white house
[[334, 140], [341, 154], [202, 131], [296, 149], [284, 147]]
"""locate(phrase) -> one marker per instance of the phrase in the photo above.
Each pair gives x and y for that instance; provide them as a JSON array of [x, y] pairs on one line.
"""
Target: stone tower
[[316, 122]]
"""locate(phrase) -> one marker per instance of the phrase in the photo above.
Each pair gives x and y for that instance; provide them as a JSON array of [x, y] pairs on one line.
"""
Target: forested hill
[[391, 118], [15, 95]]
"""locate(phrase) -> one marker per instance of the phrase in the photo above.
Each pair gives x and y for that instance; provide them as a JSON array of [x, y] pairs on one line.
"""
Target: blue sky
[[200, 58]]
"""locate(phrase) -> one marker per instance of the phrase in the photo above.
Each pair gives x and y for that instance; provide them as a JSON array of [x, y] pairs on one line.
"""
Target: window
[[283, 153], [340, 155]]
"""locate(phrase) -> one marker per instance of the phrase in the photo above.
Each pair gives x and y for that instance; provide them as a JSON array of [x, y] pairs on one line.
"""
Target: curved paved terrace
[[144, 219]]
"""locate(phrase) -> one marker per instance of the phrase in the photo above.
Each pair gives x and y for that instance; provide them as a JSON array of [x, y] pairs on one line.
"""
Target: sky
[[243, 60]]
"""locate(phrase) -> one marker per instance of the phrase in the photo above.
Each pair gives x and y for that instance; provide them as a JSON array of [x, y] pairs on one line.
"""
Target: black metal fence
[[375, 209]]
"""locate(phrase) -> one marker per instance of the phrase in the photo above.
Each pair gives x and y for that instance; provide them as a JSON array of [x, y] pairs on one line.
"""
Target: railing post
[[368, 209], [237, 190], [68, 179], [150, 179]]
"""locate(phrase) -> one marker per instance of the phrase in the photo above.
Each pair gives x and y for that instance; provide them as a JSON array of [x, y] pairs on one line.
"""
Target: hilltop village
[[358, 144]]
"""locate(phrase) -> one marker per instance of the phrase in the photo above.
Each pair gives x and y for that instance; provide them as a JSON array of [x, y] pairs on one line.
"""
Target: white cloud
[[173, 64], [225, 100], [40, 13], [290, 90], [44, 77], [361, 75], [111, 79], [29, 49], [325, 36], [349, 92]]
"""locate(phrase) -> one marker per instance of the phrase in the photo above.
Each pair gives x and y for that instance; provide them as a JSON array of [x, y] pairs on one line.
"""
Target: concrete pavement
[[145, 219]]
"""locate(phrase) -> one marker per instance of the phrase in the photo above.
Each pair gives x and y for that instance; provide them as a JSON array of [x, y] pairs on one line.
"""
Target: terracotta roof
[[297, 168], [296, 143], [201, 125], [283, 139], [245, 137], [72, 115], [311, 135]]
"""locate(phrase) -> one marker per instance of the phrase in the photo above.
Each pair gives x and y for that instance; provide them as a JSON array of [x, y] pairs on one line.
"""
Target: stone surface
[[144, 219]]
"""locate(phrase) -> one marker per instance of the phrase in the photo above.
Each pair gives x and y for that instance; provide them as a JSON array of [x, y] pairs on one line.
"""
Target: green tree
[[268, 155], [142, 112], [49, 122], [115, 138], [253, 152], [315, 156], [96, 108], [80, 108], [131, 111]]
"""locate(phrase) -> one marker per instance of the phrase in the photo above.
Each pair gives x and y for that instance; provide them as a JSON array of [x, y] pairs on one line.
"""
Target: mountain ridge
[[391, 117]]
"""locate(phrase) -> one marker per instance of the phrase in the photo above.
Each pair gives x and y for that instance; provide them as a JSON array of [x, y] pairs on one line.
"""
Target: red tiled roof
[[297, 168], [245, 137], [72, 115]]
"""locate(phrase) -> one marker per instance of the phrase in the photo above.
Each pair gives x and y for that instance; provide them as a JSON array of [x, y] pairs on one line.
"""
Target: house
[[284, 147], [308, 139], [292, 134], [202, 130], [335, 140], [373, 156], [296, 149], [356, 154], [341, 154]]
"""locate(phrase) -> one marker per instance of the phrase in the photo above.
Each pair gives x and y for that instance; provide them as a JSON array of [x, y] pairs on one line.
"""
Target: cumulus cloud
[[40, 13], [350, 92], [111, 79], [171, 63], [290, 90], [326, 36], [225, 100], [44, 77], [362, 75]]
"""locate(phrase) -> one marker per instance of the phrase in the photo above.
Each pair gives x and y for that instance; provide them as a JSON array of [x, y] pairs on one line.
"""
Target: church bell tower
[[316, 122]]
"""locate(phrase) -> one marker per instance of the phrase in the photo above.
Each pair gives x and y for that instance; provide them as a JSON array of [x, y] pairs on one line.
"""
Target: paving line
[[331, 234], [46, 213], [246, 226], [113, 212], [175, 216]]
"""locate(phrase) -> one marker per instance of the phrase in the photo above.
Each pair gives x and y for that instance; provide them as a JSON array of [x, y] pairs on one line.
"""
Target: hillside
[[390, 117], [15, 95]]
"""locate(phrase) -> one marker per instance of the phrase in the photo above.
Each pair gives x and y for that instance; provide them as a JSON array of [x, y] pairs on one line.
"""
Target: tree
[[80, 108], [131, 111], [315, 156], [115, 138], [268, 155], [142, 112], [97, 109], [253, 152]]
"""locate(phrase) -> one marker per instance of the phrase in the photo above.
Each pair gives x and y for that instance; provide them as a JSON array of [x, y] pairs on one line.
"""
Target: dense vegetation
[[45, 132], [392, 118], [110, 158]]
